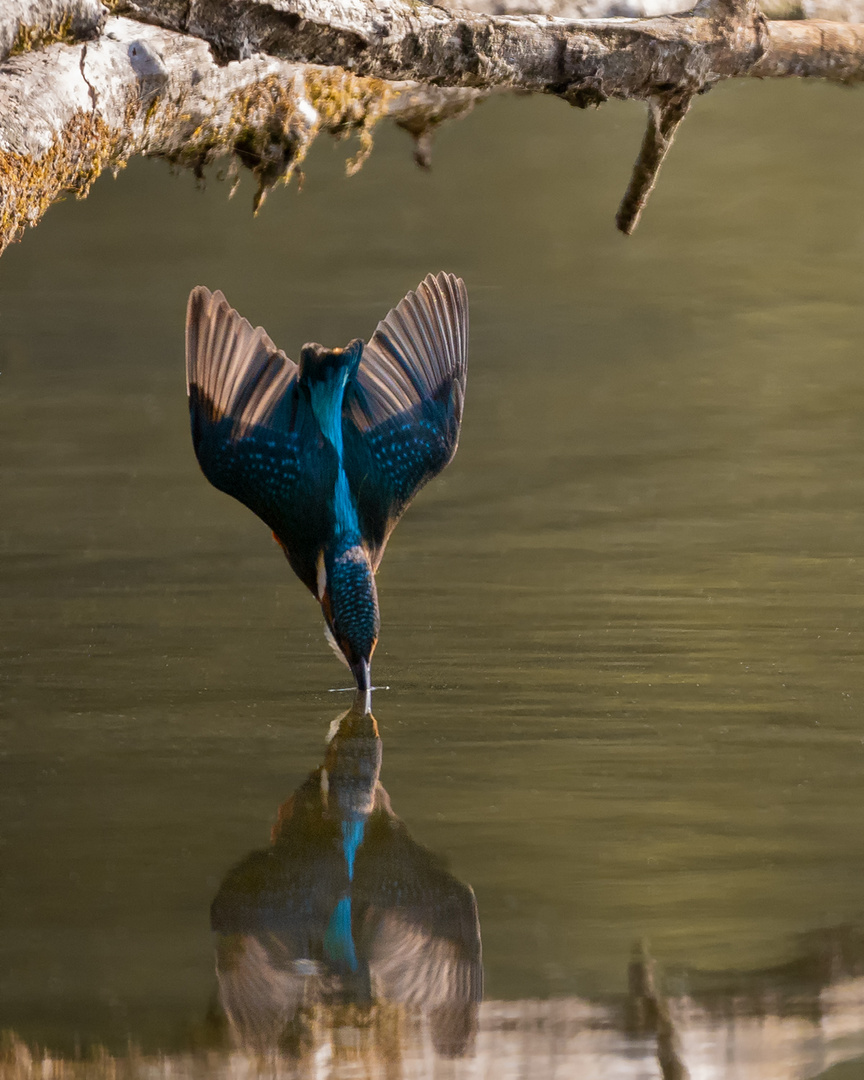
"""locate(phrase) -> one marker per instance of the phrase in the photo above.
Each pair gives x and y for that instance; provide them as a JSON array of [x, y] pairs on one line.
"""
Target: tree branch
[[664, 116], [32, 24], [259, 79], [584, 62], [69, 112]]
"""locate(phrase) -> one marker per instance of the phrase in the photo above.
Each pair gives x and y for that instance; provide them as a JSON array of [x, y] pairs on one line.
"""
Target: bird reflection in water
[[345, 922]]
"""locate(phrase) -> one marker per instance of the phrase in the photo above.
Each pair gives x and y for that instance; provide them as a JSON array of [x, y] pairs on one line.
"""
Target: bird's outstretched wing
[[242, 392], [439, 974], [420, 932], [235, 371], [405, 403]]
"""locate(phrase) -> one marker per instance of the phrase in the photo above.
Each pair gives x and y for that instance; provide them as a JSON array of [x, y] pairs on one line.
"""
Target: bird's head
[[349, 600]]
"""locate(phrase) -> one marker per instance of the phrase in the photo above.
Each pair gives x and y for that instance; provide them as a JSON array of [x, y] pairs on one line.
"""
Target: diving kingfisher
[[330, 452]]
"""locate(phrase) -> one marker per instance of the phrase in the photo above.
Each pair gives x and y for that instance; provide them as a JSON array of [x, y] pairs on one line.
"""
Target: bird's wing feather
[[405, 403], [237, 370], [420, 933], [242, 392]]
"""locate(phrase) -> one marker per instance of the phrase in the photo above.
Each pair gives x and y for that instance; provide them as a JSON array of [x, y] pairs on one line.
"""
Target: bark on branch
[[69, 112], [31, 24], [191, 80], [664, 116], [585, 62]]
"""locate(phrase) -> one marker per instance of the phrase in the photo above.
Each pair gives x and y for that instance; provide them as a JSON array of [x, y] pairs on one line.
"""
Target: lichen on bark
[[28, 38], [26, 25], [76, 158], [258, 80], [160, 94], [272, 123]]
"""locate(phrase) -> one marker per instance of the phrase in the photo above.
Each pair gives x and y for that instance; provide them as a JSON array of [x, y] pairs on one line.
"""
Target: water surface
[[622, 631]]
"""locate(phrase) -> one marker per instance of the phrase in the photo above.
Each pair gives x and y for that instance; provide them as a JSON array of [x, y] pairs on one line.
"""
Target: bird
[[345, 907], [329, 452]]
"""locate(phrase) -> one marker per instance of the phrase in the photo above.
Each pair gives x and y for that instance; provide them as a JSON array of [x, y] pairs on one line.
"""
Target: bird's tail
[[325, 374], [320, 365]]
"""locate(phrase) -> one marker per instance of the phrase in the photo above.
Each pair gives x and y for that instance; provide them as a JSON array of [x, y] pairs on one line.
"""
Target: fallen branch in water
[[259, 79], [649, 1013]]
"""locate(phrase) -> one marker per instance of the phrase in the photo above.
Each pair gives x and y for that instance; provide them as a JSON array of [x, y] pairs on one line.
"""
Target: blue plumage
[[329, 454], [339, 939]]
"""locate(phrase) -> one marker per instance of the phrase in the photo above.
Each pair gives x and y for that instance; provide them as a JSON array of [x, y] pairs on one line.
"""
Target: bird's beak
[[363, 678]]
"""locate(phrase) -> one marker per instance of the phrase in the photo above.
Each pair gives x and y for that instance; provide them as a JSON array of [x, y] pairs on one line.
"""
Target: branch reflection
[[345, 922]]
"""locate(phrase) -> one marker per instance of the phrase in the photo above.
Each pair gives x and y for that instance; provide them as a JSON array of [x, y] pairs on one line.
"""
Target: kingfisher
[[329, 452], [345, 907]]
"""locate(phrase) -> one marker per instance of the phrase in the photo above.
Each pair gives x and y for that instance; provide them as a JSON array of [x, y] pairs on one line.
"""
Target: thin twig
[[664, 116], [650, 1013]]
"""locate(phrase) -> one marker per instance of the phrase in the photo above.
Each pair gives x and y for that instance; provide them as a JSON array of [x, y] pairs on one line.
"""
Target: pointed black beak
[[363, 678], [362, 675]]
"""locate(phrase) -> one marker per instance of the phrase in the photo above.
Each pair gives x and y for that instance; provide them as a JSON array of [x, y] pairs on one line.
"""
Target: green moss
[[347, 102], [73, 162], [30, 38], [267, 130], [271, 138]]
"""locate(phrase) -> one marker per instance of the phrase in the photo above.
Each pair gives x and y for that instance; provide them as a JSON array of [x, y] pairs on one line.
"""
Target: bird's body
[[330, 452]]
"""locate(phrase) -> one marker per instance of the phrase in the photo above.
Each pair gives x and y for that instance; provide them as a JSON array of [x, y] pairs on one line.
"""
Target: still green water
[[623, 631]]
